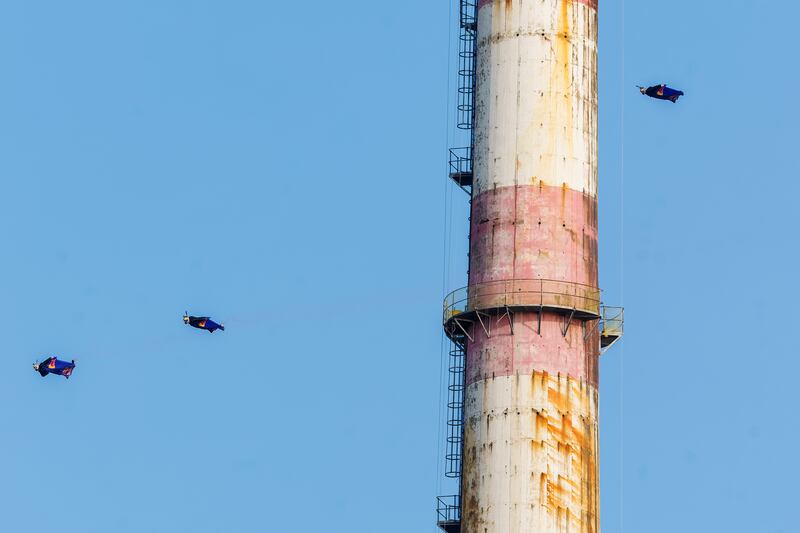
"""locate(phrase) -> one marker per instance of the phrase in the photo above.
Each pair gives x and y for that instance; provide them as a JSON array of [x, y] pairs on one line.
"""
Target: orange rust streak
[[560, 442], [563, 72]]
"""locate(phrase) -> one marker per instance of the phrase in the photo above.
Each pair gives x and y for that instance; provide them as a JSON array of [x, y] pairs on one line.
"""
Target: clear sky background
[[281, 166]]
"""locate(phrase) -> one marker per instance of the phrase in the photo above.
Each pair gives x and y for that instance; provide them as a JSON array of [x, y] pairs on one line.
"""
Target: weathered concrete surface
[[530, 433]]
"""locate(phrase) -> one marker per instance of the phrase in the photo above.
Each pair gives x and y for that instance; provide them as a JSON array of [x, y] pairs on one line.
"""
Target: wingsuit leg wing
[[212, 326]]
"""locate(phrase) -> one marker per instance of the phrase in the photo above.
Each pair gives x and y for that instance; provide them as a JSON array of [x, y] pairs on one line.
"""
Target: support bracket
[[461, 327], [591, 329], [485, 329], [510, 315], [539, 324], [569, 321]]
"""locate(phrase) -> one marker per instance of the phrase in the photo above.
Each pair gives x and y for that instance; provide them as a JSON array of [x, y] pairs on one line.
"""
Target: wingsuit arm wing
[[45, 365]]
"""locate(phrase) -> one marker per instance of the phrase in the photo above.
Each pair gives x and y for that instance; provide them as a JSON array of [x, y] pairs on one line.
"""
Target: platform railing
[[612, 321], [448, 508], [460, 160], [526, 293]]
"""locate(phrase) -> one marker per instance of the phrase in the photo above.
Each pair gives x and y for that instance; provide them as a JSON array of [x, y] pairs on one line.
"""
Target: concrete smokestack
[[530, 319]]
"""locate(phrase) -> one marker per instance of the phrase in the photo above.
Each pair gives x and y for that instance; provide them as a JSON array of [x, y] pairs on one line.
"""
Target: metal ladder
[[455, 409], [461, 158], [466, 64], [461, 165]]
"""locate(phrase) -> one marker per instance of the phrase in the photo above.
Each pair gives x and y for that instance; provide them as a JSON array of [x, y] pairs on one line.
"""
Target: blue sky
[[282, 168]]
